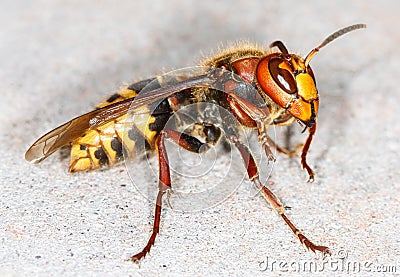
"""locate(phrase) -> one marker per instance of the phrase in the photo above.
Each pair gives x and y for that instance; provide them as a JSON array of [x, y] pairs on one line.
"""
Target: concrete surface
[[60, 58]]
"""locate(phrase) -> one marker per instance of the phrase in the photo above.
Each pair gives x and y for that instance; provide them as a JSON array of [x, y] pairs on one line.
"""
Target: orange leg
[[280, 149], [189, 143], [275, 203], [164, 184], [306, 147]]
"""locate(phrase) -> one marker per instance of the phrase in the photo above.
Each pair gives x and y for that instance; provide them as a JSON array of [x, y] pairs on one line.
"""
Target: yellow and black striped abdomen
[[108, 143]]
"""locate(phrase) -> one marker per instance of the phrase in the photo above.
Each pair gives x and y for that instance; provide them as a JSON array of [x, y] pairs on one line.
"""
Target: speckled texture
[[59, 58]]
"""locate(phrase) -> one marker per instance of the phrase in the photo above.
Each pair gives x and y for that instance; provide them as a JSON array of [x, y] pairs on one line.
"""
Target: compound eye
[[283, 77]]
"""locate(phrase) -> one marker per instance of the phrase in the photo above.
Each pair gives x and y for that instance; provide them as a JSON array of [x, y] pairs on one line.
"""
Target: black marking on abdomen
[[101, 156], [140, 85], [162, 107], [83, 147], [113, 97], [119, 149], [141, 144], [160, 121]]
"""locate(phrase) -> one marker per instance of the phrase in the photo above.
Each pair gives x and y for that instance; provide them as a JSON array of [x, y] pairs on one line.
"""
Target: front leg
[[306, 147], [267, 142], [272, 199]]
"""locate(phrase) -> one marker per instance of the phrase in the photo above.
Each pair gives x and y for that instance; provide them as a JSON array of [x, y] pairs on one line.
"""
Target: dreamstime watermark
[[336, 263]]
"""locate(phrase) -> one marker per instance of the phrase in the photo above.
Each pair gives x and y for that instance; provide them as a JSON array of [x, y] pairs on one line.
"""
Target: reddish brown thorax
[[246, 69]]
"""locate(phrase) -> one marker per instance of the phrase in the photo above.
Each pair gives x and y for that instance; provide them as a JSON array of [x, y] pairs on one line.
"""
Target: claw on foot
[[312, 247], [136, 258]]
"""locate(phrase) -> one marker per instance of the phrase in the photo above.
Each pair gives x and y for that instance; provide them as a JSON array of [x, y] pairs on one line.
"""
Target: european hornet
[[259, 87]]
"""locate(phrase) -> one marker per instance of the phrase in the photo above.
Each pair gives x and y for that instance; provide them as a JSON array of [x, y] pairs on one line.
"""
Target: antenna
[[332, 37]]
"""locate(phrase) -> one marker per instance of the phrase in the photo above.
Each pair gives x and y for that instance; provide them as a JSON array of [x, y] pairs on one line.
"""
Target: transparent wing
[[73, 129], [190, 77], [69, 131]]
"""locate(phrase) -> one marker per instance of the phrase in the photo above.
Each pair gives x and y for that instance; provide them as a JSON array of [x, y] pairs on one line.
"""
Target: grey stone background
[[60, 58]]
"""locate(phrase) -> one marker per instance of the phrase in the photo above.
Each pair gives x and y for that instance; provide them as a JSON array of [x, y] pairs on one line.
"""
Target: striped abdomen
[[108, 143]]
